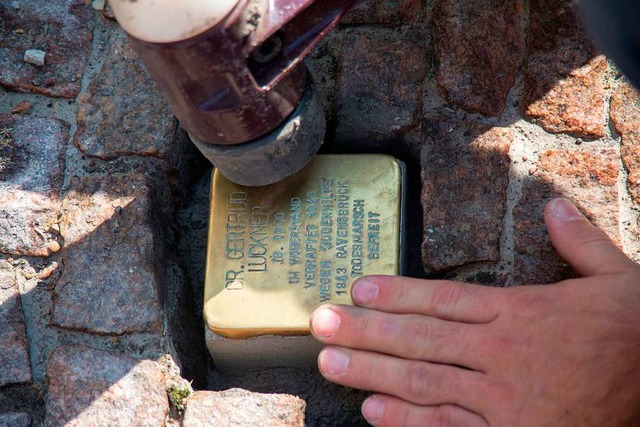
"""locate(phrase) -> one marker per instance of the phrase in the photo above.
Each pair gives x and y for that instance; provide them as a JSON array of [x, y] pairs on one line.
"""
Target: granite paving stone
[[15, 419], [387, 12], [387, 104], [564, 76], [89, 387], [478, 48], [110, 283], [589, 179], [322, 63], [15, 367], [625, 115], [122, 111], [33, 150], [14, 349], [32, 165], [239, 408], [62, 29], [10, 306], [26, 221], [465, 174]]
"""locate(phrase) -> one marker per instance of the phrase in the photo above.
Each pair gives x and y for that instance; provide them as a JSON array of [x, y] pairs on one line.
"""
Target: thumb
[[587, 248]]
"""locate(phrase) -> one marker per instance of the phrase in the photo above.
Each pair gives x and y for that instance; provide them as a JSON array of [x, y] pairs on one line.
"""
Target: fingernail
[[333, 361], [364, 292], [565, 210], [325, 322], [373, 410]]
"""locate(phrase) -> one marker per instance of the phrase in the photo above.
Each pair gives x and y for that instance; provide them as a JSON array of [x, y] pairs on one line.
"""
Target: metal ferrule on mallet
[[233, 75]]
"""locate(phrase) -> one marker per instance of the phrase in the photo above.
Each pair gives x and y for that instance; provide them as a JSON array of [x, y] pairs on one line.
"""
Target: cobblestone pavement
[[496, 107]]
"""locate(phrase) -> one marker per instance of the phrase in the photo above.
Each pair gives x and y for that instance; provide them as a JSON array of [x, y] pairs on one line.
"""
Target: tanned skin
[[442, 353]]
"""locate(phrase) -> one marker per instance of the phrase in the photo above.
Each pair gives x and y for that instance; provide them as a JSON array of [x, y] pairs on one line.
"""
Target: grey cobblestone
[[110, 281], [61, 29], [92, 387], [15, 367]]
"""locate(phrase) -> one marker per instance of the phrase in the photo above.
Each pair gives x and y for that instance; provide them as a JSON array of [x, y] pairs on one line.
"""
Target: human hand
[[452, 354]]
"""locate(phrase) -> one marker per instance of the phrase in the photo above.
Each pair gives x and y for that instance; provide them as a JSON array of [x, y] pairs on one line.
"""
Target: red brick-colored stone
[[237, 407], [63, 29], [123, 112], [379, 95], [589, 179], [110, 283], [14, 349], [388, 12], [90, 387], [26, 221], [465, 174], [563, 85], [22, 108], [478, 47], [32, 154], [625, 115]]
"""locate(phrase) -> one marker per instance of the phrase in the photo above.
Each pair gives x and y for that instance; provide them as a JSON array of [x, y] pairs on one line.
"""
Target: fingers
[[381, 411], [436, 298], [418, 382], [408, 336], [587, 248]]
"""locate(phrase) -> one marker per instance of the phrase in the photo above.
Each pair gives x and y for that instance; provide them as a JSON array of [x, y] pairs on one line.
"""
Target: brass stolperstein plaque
[[275, 253]]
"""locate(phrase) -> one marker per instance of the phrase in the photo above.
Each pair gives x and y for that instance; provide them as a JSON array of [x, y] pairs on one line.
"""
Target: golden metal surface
[[275, 253]]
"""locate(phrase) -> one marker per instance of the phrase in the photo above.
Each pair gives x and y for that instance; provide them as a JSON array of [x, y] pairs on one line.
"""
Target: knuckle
[[403, 417], [443, 416], [402, 293], [363, 326], [591, 236], [417, 332], [366, 371], [448, 296], [424, 337], [416, 379]]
